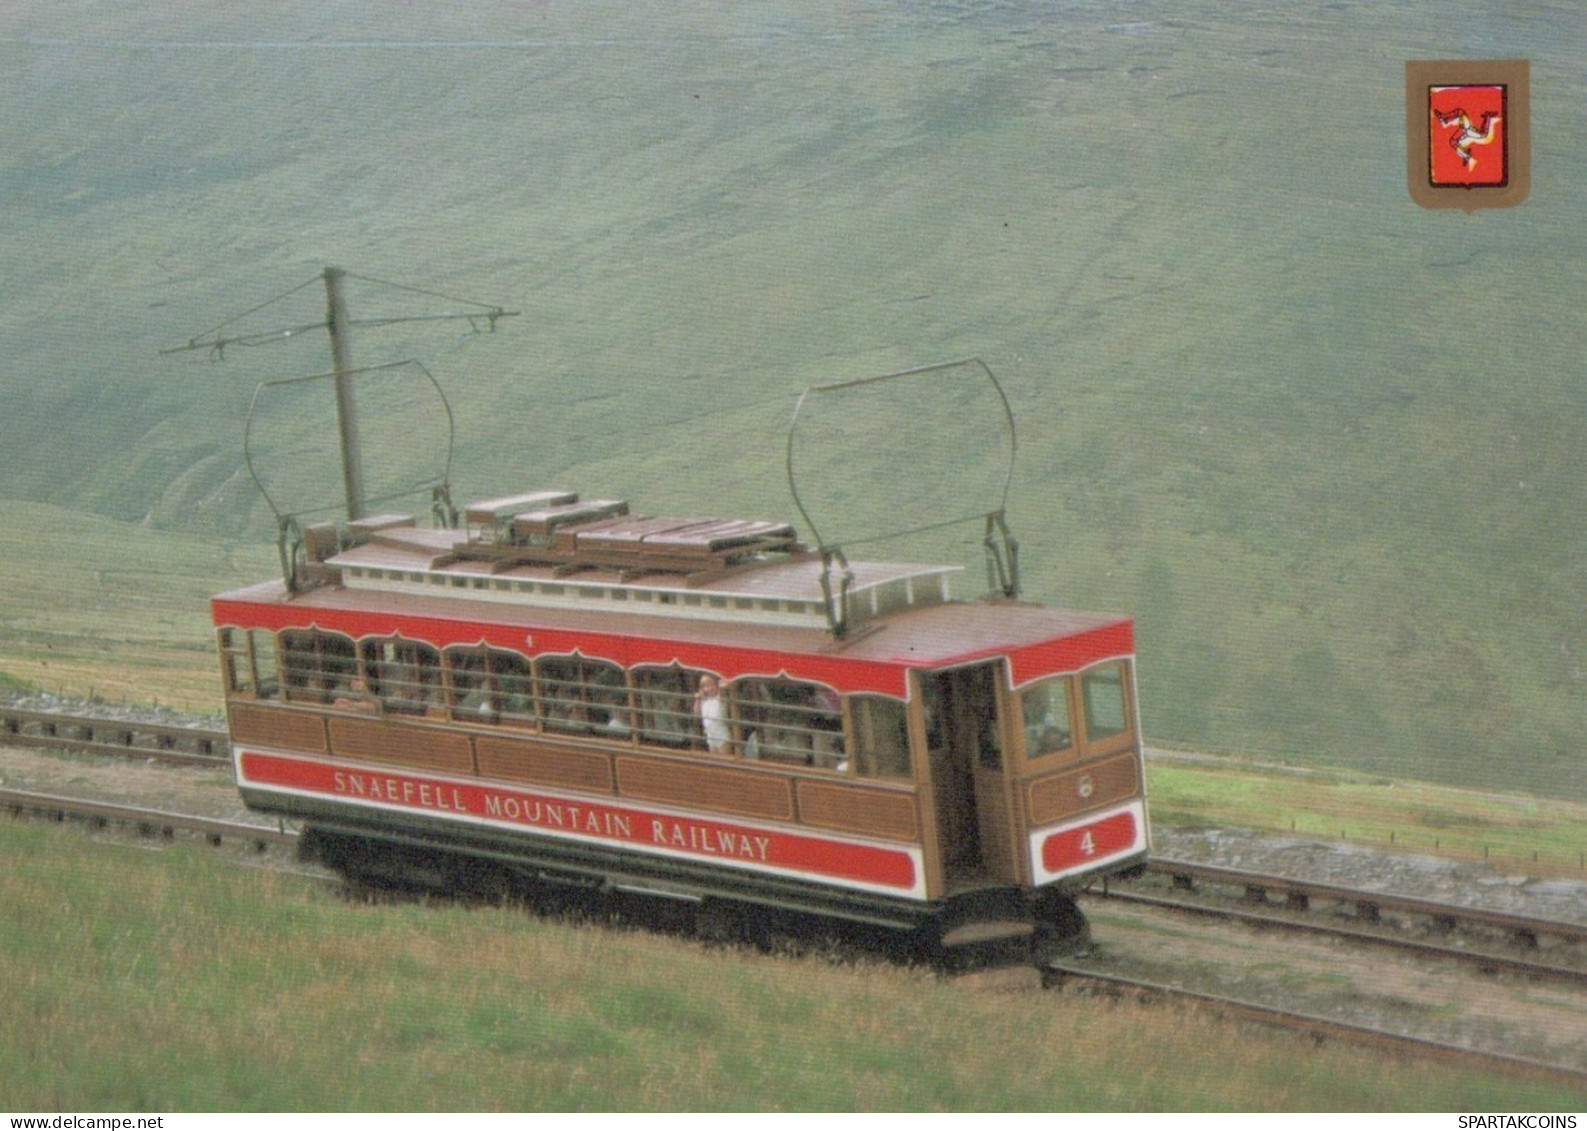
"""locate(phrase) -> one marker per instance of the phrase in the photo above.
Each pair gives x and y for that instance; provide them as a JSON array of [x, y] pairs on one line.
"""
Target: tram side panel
[[589, 804], [872, 847]]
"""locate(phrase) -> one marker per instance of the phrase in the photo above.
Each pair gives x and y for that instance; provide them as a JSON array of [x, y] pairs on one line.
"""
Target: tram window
[[242, 674], [665, 701], [316, 667], [262, 644], [490, 685], [234, 661], [468, 685], [580, 696], [248, 657], [1045, 715], [786, 720], [404, 674], [1102, 698], [881, 737]]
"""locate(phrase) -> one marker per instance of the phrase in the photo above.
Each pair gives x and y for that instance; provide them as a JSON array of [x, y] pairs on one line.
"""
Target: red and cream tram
[[578, 693]]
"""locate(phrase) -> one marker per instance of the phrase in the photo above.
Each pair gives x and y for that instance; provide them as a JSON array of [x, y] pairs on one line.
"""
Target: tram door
[[965, 746]]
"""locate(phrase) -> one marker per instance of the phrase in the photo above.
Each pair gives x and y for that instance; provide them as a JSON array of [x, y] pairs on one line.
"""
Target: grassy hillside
[[1321, 442], [91, 606], [113, 999]]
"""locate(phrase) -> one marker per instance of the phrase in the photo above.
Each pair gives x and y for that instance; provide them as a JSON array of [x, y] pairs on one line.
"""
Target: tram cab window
[[404, 674], [249, 659], [316, 667], [1045, 714], [490, 685], [881, 737], [581, 696], [664, 700], [1103, 701], [236, 663], [788, 720]]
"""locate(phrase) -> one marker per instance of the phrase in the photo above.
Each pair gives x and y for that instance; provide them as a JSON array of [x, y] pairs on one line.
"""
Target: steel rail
[[1485, 960], [153, 821], [1369, 905], [116, 737], [1056, 974]]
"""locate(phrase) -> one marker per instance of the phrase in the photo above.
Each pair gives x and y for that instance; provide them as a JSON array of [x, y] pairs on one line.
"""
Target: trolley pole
[[339, 325]]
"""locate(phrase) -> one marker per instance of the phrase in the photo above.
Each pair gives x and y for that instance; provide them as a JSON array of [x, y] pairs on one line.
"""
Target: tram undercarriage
[[974, 929]]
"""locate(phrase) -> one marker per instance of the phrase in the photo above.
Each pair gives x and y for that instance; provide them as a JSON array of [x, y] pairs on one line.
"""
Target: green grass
[[1524, 833], [94, 607], [170, 980]]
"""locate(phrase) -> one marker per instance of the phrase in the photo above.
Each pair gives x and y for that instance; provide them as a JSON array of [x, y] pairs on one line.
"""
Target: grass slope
[[93, 607], [166, 981]]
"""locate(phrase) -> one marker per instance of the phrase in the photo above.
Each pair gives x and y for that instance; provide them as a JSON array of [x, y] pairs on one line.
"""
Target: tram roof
[[1038, 640], [545, 573]]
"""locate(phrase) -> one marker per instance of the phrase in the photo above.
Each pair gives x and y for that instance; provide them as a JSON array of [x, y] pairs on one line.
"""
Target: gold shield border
[[1514, 75]]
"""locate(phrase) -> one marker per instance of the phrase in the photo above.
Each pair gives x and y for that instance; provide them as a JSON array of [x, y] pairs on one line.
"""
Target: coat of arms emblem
[[1467, 137]]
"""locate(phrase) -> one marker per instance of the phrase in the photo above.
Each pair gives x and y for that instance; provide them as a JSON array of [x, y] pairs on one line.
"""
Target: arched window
[[490, 685], [1104, 702], [316, 667], [664, 698], [404, 675], [789, 720], [583, 696]]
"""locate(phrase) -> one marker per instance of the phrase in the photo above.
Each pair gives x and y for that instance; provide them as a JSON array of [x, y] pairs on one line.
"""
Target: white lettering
[[594, 821]]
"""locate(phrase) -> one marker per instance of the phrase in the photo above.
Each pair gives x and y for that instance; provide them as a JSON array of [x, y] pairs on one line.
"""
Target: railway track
[[97, 734], [1359, 917], [1066, 975], [149, 822], [1368, 906], [1489, 940], [1487, 953]]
